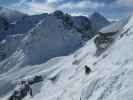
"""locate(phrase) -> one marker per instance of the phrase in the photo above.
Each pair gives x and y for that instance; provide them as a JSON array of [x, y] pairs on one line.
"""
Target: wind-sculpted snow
[[110, 77]]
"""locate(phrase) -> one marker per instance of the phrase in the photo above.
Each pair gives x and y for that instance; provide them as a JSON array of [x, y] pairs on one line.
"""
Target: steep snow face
[[98, 21]]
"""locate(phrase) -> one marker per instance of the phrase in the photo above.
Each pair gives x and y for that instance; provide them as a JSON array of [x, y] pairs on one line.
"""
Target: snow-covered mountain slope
[[110, 78], [98, 21], [40, 44]]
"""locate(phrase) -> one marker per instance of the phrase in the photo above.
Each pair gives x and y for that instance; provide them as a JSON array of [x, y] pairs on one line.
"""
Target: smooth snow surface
[[110, 79]]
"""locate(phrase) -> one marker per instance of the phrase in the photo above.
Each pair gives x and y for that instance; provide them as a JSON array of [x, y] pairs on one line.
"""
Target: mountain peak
[[96, 14], [98, 21]]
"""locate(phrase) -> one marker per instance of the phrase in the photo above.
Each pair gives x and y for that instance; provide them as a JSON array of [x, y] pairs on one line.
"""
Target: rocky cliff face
[[108, 34], [3, 24]]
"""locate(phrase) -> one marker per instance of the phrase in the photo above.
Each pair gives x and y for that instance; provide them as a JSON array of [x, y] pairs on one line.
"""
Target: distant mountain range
[[19, 23], [11, 16]]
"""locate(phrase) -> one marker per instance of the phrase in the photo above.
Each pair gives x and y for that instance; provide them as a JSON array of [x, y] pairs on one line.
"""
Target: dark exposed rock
[[66, 18], [103, 41], [3, 24], [58, 13]]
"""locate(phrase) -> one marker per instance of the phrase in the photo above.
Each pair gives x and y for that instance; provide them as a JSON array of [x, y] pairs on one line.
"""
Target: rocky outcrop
[[107, 35], [3, 24], [103, 41]]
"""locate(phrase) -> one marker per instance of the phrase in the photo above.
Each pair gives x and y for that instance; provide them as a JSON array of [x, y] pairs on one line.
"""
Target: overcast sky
[[109, 8]]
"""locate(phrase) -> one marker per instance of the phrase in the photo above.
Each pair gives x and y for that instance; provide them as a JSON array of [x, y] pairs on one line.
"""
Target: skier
[[87, 69]]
